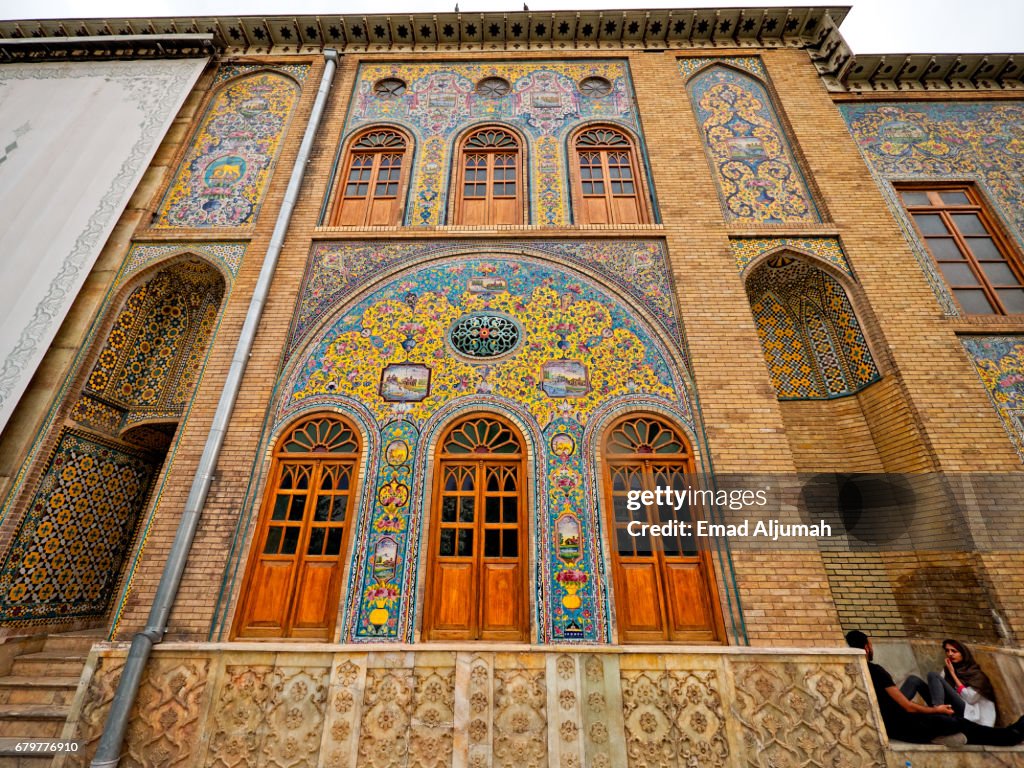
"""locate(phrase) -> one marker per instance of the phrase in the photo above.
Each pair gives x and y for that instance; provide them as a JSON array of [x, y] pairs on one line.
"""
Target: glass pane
[[622, 515], [983, 248], [280, 508], [450, 482], [953, 198], [492, 512], [511, 510], [322, 512], [291, 540], [465, 543], [467, 480], [334, 541], [944, 248], [930, 223], [447, 548], [303, 483], [492, 543], [448, 507], [969, 224], [999, 273], [973, 302], [273, 541], [343, 478], [510, 481], [624, 542], [466, 510], [958, 274], [327, 481], [915, 198], [316, 542], [340, 507], [298, 505], [1013, 301], [627, 187], [510, 543]]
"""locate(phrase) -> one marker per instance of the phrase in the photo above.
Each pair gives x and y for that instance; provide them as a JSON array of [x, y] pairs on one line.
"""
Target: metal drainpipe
[[108, 754]]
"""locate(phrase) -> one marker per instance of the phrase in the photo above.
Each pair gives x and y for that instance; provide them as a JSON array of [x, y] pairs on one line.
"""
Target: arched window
[[293, 582], [664, 584], [608, 183], [373, 180], [476, 585], [489, 188]]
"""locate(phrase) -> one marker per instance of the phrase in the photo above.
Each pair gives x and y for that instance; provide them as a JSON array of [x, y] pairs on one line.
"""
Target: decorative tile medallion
[[758, 177], [980, 141], [221, 180], [746, 249], [1000, 364], [441, 101], [812, 342], [67, 554]]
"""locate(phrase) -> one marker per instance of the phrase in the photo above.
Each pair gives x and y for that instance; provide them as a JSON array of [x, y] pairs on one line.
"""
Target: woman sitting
[[962, 685]]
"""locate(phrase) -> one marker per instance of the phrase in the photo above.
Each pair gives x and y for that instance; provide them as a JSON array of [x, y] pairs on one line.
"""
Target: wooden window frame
[[458, 206], [715, 632], [641, 191], [430, 633], [280, 459], [345, 168], [993, 230]]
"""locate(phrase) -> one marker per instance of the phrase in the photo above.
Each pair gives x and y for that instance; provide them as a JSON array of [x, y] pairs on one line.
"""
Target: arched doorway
[[293, 582], [664, 585], [476, 583]]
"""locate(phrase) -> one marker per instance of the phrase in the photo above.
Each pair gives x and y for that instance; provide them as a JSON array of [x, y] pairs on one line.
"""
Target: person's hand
[[949, 667], [943, 709]]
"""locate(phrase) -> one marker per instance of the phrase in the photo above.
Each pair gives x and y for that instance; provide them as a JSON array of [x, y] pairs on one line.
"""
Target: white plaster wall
[[75, 140]]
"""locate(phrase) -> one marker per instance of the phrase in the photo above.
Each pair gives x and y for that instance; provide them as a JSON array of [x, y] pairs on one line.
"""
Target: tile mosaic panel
[[337, 270], [223, 176], [406, 325], [758, 177], [228, 255], [690, 65], [980, 141], [812, 342], [999, 361], [440, 101], [67, 554], [746, 249]]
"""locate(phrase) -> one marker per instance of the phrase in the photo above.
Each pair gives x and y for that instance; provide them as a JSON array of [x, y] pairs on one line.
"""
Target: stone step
[[79, 642], [32, 720], [48, 664], [37, 690]]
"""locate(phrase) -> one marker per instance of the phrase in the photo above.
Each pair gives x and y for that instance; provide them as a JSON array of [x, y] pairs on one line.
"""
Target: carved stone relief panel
[[563, 703], [474, 710], [387, 710], [805, 714], [245, 692], [295, 717], [433, 718], [601, 710], [339, 747], [520, 720], [95, 704]]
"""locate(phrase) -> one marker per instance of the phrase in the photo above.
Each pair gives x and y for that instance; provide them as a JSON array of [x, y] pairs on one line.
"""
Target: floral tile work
[[1000, 364], [758, 177], [556, 350], [545, 100], [222, 179], [747, 249], [66, 557]]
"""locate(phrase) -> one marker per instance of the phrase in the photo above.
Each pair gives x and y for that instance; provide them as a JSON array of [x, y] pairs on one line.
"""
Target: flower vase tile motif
[[223, 177], [544, 100], [759, 179], [429, 318], [999, 361]]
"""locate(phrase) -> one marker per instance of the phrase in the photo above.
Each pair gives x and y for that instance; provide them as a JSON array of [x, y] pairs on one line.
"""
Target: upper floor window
[[984, 272], [608, 186], [373, 180], [488, 185]]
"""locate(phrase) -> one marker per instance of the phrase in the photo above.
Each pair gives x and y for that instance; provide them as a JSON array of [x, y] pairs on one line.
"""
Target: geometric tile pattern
[[544, 103], [66, 557], [226, 72], [222, 178], [228, 255], [746, 249], [568, 319], [752, 64], [999, 361], [759, 180], [980, 141], [336, 270], [812, 342]]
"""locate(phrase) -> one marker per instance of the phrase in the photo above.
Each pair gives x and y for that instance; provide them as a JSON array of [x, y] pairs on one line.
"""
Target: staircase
[[36, 695]]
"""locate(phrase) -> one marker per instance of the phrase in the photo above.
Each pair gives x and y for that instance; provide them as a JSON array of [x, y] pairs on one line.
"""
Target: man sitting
[[907, 721]]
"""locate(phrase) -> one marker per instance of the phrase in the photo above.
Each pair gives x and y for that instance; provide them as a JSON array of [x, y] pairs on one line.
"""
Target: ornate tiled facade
[[574, 328], [545, 104], [222, 178], [758, 177], [66, 557], [960, 141], [812, 342], [1000, 364], [747, 249], [227, 255]]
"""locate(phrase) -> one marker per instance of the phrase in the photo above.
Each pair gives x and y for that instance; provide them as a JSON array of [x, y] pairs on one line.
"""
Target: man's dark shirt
[[896, 718]]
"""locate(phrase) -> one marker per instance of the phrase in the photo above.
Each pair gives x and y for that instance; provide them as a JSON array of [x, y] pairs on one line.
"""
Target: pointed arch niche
[[107, 446]]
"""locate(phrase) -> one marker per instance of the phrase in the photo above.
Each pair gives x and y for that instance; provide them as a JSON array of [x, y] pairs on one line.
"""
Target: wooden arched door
[[664, 586], [293, 582], [476, 583]]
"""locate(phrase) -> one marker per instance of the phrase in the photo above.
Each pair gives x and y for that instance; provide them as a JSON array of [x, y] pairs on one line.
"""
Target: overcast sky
[[873, 26]]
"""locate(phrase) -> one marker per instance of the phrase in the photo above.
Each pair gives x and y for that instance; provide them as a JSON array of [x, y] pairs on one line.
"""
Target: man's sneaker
[[953, 740]]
